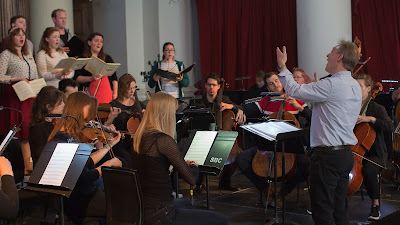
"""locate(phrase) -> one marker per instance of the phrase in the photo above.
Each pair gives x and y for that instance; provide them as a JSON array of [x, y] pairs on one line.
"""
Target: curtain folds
[[10, 8], [377, 24], [239, 37]]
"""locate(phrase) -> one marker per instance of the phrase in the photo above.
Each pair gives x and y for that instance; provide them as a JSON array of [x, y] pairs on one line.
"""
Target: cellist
[[257, 109], [378, 118], [213, 84]]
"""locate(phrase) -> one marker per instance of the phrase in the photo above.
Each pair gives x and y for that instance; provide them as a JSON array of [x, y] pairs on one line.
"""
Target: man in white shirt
[[337, 103]]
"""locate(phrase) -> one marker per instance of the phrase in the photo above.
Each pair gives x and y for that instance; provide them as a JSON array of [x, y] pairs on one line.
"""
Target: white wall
[[320, 26], [41, 17], [175, 25], [109, 20]]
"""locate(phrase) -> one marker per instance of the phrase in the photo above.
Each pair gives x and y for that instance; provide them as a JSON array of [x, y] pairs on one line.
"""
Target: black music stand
[[278, 136], [71, 177], [216, 155], [8, 138]]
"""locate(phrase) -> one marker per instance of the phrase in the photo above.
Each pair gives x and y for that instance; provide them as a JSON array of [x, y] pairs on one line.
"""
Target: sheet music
[[269, 130], [200, 146], [59, 163]]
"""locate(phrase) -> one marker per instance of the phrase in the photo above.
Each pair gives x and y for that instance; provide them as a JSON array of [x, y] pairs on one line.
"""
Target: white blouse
[[13, 66], [46, 64]]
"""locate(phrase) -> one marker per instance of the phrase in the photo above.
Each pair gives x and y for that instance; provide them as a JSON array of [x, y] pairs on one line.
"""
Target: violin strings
[[111, 152]]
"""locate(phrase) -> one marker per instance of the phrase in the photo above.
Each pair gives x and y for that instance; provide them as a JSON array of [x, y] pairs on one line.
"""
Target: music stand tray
[[70, 178], [277, 131], [214, 156]]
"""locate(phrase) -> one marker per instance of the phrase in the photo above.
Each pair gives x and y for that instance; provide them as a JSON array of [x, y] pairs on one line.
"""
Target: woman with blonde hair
[[154, 151]]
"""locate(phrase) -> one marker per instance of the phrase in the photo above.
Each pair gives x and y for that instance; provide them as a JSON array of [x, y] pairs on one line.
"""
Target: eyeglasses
[[211, 85], [169, 50]]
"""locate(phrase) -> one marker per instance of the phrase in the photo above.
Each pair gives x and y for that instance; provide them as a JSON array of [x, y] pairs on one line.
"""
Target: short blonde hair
[[159, 116]]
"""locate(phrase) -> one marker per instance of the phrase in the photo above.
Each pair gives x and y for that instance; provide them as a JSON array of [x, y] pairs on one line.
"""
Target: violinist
[[87, 198], [125, 101], [378, 118], [265, 106], [48, 101], [213, 84], [154, 151]]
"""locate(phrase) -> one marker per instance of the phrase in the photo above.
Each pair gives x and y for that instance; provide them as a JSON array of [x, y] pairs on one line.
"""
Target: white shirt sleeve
[[41, 63]]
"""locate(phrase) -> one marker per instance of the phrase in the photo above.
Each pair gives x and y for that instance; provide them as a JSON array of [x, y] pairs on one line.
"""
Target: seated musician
[[154, 151], [88, 197], [245, 159], [9, 200], [213, 84], [125, 101], [378, 118]]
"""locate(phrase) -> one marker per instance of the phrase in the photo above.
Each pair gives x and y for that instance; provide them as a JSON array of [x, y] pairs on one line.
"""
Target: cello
[[261, 163], [225, 121], [366, 136]]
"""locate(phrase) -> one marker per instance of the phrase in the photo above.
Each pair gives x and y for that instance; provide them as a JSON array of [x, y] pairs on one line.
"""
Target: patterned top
[[46, 64], [13, 66]]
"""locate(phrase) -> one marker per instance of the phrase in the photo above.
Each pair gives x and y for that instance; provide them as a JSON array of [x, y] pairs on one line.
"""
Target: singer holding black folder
[[87, 198], [168, 63], [48, 100]]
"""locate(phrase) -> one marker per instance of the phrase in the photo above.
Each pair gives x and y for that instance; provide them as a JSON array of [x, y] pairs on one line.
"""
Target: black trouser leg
[[329, 176]]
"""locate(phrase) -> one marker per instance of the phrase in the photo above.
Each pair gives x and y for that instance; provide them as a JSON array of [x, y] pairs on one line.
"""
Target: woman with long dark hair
[[17, 64], [108, 88]]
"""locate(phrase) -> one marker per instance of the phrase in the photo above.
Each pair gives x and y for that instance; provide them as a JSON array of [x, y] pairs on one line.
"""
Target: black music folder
[[172, 75], [75, 46], [59, 167], [210, 148]]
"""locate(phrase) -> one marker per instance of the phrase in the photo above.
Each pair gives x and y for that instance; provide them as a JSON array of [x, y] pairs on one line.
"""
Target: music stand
[[279, 131], [70, 178], [216, 155], [8, 138]]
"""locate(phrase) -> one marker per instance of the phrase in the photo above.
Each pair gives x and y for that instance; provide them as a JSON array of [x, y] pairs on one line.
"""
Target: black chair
[[123, 196]]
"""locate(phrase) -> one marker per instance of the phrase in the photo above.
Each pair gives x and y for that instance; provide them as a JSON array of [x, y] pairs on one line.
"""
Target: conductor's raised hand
[[281, 56]]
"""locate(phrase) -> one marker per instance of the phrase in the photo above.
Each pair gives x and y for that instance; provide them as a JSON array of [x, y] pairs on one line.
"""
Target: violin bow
[[357, 41], [98, 85], [111, 152]]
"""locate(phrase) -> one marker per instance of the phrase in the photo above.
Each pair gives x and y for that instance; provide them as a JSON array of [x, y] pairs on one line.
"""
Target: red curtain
[[377, 24], [239, 37]]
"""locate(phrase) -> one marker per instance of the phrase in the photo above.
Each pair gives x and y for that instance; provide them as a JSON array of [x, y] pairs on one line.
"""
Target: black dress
[[124, 148], [38, 135]]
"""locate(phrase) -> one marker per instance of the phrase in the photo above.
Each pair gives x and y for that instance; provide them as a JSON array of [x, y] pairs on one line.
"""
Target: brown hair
[[297, 69], [367, 79], [268, 75], [88, 53], [159, 116], [54, 13], [124, 83], [44, 45], [213, 76], [73, 107], [261, 74], [48, 95], [11, 44], [350, 53]]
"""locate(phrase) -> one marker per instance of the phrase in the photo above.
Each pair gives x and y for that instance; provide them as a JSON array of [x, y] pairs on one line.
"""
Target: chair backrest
[[123, 196]]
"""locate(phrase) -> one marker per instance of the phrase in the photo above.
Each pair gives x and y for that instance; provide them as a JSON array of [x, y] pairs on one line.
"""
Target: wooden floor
[[242, 208]]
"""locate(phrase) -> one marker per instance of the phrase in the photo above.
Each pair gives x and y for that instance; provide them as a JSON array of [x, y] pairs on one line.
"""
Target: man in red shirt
[[267, 107]]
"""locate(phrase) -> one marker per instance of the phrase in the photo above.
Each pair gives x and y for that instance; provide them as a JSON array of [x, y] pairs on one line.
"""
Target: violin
[[261, 162], [366, 137], [103, 110], [95, 131]]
